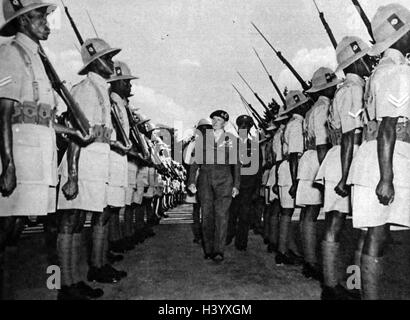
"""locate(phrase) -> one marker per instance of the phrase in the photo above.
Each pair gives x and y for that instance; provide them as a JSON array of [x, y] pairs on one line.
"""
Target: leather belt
[[402, 131], [31, 112]]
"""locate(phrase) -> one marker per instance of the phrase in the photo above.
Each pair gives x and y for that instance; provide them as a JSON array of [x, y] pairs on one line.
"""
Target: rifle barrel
[[364, 17], [326, 26]]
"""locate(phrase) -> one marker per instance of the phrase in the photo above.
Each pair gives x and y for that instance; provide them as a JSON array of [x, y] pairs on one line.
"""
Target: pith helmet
[[204, 122], [121, 72], [295, 99], [322, 79], [390, 23], [15, 8], [95, 48], [281, 115], [349, 50]]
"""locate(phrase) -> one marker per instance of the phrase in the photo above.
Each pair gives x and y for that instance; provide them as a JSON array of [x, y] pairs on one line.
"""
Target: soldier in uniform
[[120, 88], [84, 179], [218, 182], [379, 172], [345, 128], [275, 207], [240, 211], [202, 127], [293, 147], [308, 196], [27, 108]]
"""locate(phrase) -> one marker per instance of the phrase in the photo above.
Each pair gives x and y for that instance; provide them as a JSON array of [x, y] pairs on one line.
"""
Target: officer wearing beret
[[241, 211], [218, 182]]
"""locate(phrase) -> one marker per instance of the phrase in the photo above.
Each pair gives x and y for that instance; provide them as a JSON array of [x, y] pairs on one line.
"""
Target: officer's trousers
[[242, 215], [215, 186]]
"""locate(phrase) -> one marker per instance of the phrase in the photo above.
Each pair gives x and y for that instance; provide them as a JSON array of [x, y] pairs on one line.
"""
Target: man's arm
[[70, 189], [8, 180], [386, 142], [322, 151], [294, 164], [346, 155]]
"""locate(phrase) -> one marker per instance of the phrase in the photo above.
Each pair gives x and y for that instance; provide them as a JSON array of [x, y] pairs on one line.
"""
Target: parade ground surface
[[171, 266]]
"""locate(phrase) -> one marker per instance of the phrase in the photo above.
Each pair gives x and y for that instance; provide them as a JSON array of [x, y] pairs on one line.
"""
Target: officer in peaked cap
[[241, 211], [217, 184], [27, 107], [381, 198]]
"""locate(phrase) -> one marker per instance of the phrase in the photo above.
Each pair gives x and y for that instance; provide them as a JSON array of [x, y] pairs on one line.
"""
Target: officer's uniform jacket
[[118, 173], [387, 95], [23, 79], [92, 96], [219, 155]]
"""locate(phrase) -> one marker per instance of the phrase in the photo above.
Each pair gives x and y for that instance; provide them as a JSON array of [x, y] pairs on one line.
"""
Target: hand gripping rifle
[[304, 85], [271, 79], [326, 25], [121, 134]]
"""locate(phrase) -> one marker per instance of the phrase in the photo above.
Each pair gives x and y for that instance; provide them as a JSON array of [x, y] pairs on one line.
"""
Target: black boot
[[117, 274], [87, 291], [100, 275], [70, 293], [113, 258]]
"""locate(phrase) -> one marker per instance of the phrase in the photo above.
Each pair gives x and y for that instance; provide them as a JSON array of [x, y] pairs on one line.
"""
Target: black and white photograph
[[204, 155]]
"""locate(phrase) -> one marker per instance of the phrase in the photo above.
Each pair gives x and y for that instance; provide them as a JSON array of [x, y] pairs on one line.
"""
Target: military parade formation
[[340, 146]]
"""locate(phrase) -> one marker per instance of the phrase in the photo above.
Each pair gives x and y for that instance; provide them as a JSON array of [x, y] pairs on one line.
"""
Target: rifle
[[326, 25], [77, 116], [255, 94], [271, 79], [305, 86], [365, 19], [121, 134], [248, 105]]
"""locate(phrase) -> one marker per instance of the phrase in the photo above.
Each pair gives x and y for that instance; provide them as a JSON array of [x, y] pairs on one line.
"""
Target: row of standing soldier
[[342, 145], [99, 174]]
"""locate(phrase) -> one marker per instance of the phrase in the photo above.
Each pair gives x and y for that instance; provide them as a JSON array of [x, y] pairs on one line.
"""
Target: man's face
[[105, 66], [36, 24], [127, 86], [218, 123]]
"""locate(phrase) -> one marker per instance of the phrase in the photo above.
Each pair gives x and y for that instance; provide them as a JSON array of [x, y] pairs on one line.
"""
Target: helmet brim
[[8, 30], [112, 52], [379, 47]]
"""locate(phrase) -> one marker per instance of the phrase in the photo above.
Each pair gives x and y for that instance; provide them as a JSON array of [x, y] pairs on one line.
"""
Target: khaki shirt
[[316, 120], [277, 144], [18, 72], [92, 96], [120, 105], [293, 136], [388, 89], [346, 110]]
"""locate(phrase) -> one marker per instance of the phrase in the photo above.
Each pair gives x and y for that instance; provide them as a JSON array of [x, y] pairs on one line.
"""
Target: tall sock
[[284, 227], [371, 273], [128, 221], [309, 242], [98, 246], [2, 275], [76, 258], [64, 251], [330, 253], [106, 245]]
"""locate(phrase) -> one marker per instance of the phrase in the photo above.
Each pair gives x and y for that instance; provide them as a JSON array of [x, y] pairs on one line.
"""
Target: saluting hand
[[8, 181], [342, 189], [385, 192], [70, 188]]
